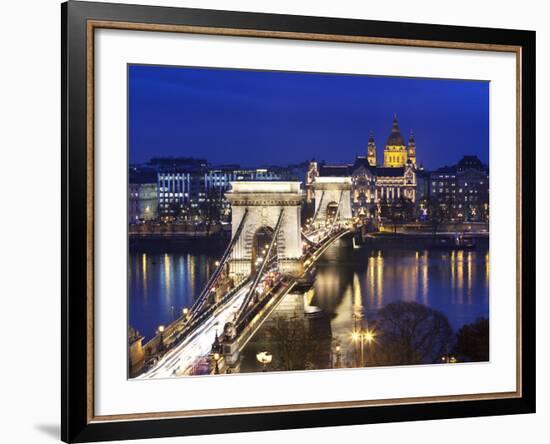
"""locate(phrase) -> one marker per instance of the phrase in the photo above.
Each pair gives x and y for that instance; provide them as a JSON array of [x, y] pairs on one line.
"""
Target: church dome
[[395, 138]]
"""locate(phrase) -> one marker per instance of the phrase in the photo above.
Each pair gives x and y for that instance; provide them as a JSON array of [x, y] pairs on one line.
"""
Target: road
[[185, 357], [181, 360]]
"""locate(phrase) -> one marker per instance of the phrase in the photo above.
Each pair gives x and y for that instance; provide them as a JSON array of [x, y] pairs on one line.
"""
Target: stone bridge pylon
[[332, 194], [262, 203]]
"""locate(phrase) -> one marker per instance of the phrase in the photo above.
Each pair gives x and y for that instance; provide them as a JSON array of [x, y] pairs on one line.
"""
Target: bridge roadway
[[185, 357]]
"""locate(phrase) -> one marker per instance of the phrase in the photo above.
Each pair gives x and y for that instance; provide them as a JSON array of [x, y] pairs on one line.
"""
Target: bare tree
[[293, 347], [410, 333], [473, 341], [438, 213]]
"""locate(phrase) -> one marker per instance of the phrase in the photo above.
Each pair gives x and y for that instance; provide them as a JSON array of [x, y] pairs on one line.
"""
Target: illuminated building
[[462, 190], [396, 154], [142, 195], [375, 185]]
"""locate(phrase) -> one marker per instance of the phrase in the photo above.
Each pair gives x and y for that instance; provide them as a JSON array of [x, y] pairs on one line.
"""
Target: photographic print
[[276, 222], [298, 221]]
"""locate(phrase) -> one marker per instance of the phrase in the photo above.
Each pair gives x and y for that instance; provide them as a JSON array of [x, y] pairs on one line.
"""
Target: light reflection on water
[[351, 281], [348, 282], [161, 285]]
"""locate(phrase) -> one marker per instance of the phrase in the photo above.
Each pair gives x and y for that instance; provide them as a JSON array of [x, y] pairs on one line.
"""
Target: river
[[347, 281]]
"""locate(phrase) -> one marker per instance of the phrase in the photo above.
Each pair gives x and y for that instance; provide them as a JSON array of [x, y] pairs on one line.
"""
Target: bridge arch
[[331, 210], [264, 202], [329, 191], [261, 239]]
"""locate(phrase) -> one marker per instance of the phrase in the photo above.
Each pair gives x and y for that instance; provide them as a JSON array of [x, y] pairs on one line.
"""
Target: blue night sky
[[259, 118]]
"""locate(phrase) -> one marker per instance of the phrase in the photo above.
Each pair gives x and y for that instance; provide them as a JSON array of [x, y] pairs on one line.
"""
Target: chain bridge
[[270, 252]]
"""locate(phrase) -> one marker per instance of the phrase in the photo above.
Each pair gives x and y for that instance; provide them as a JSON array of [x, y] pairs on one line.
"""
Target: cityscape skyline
[[235, 267], [264, 116]]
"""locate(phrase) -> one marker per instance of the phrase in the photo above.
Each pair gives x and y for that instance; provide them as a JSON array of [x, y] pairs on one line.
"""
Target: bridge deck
[[184, 357]]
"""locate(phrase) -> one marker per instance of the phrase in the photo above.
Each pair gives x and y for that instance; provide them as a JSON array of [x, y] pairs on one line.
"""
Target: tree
[[398, 211], [293, 347], [473, 341], [410, 333], [210, 208], [438, 212]]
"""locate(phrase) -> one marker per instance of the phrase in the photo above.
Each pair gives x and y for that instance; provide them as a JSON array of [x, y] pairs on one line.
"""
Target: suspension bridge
[[269, 253]]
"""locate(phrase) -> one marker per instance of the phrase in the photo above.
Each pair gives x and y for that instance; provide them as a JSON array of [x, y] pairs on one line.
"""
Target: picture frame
[[80, 20]]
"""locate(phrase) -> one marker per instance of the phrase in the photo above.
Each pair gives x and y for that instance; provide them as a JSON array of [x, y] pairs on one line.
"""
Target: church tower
[[395, 152], [411, 151], [371, 151]]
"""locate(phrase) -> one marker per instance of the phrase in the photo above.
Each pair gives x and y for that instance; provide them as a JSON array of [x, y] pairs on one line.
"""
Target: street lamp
[[448, 359], [216, 357], [363, 336], [161, 332], [338, 363], [185, 314], [264, 358]]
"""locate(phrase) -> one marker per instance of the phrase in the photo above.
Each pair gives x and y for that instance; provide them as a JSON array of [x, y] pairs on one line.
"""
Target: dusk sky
[[260, 118]]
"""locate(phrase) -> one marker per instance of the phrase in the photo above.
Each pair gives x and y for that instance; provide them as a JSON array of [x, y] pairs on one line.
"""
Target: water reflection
[[349, 284], [161, 285], [456, 283], [354, 284]]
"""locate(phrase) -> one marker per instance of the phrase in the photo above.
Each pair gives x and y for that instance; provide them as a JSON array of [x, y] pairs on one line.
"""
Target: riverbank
[[178, 243], [423, 240]]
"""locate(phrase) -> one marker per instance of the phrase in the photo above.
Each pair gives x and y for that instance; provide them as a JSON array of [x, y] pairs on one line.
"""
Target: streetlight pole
[[161, 332], [362, 336], [338, 362], [216, 358]]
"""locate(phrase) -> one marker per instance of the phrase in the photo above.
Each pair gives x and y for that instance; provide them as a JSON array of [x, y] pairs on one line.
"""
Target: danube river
[[347, 281]]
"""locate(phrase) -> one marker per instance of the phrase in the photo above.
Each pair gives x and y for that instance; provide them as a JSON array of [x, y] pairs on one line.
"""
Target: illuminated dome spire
[[411, 140], [395, 138], [371, 137]]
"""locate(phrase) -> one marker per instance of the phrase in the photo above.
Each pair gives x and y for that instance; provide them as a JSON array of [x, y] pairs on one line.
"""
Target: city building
[[311, 175], [461, 191], [422, 192], [376, 186], [142, 195], [194, 190], [396, 154]]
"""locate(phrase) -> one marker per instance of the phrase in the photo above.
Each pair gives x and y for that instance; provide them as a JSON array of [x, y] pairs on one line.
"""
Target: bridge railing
[[183, 326], [212, 281], [260, 273]]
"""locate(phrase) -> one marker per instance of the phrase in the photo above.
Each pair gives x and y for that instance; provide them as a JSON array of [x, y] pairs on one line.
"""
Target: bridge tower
[[331, 193], [262, 203]]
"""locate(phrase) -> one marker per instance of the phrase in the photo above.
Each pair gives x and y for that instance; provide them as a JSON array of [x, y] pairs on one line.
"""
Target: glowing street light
[[264, 358], [160, 330], [369, 336], [185, 314], [216, 357], [448, 359], [338, 362], [363, 336]]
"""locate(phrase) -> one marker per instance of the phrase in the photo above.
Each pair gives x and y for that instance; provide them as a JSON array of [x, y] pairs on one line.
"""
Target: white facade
[[264, 202], [332, 190]]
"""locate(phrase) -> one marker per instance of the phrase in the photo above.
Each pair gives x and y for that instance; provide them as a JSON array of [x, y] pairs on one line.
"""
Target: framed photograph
[[276, 221]]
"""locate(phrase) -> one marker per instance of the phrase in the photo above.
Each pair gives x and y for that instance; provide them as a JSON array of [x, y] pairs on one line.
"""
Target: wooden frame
[[79, 21]]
